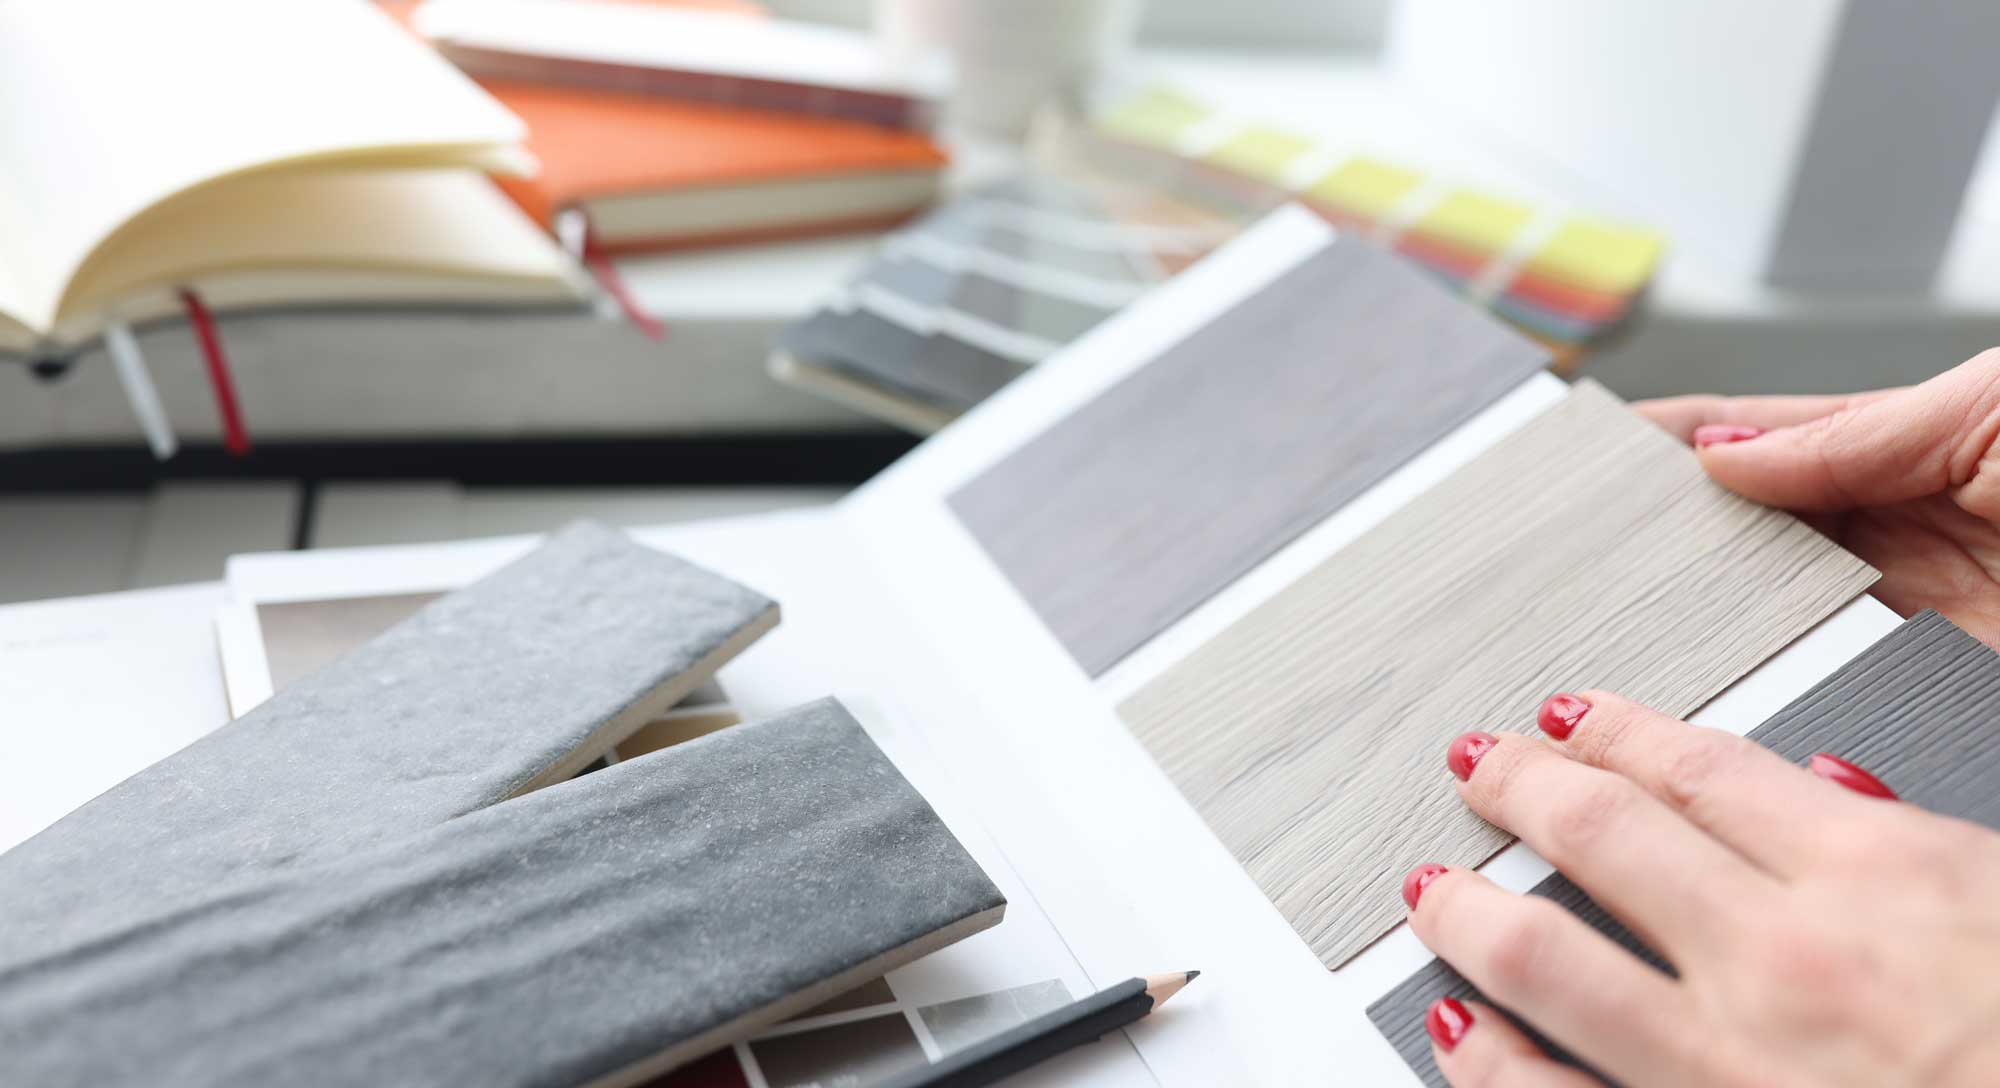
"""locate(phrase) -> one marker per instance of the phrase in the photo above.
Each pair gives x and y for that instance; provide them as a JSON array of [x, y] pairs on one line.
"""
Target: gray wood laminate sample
[[599, 931], [1585, 550], [516, 681], [936, 368], [1920, 709], [1121, 518]]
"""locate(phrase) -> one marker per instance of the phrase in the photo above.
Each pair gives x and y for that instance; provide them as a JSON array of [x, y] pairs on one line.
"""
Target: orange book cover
[[600, 143]]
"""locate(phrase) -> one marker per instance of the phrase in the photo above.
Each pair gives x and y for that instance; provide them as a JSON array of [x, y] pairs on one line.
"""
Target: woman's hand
[[1907, 479], [1824, 933]]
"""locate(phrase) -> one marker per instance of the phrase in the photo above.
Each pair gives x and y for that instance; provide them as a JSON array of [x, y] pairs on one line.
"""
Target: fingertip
[[1489, 1049], [1724, 434], [1447, 1021], [1418, 879]]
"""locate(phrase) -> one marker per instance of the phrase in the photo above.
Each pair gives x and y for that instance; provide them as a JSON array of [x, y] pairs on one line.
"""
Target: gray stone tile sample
[[1587, 549], [598, 931], [1125, 515], [516, 681], [1920, 709]]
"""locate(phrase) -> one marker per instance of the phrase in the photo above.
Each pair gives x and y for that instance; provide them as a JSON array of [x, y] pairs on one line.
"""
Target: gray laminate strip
[[617, 924], [518, 680], [1121, 518], [1047, 316], [913, 280], [939, 369], [1585, 550], [1920, 709]]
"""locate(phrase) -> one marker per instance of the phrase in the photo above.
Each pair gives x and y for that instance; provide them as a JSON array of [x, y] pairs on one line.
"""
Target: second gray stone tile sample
[[1920, 709], [1121, 518], [1585, 550], [599, 931], [516, 681]]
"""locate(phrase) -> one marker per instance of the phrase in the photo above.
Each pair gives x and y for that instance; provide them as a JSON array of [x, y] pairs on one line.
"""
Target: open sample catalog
[[1173, 631]]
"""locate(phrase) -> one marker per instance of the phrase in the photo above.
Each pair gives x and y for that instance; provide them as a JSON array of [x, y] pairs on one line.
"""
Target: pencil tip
[[1161, 987]]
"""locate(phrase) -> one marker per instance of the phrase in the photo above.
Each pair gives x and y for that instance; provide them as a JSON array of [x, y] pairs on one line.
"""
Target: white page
[[108, 107], [95, 689], [427, 222]]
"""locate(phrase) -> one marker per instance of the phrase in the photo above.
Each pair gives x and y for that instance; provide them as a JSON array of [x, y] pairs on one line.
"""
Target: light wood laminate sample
[[1585, 550]]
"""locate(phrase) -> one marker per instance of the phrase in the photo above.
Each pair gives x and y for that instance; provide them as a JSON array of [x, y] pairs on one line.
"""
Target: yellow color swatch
[[1260, 152], [1600, 255], [1365, 187], [1475, 220], [1156, 117]]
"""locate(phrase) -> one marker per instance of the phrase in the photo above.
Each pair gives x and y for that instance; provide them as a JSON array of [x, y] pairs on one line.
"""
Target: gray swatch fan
[[968, 298]]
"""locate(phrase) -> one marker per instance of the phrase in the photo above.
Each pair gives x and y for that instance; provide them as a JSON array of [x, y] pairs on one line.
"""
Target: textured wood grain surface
[[1136, 508], [1920, 709], [1585, 550]]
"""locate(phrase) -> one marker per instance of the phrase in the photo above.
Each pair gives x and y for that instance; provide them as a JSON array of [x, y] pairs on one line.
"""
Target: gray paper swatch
[[1124, 516], [1586, 549], [516, 681], [598, 931], [1920, 709]]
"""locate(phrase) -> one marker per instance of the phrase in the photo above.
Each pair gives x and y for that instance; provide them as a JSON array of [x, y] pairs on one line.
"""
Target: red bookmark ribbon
[[235, 437], [606, 273]]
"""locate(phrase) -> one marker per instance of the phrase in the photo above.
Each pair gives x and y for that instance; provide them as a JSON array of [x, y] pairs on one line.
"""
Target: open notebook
[[260, 154]]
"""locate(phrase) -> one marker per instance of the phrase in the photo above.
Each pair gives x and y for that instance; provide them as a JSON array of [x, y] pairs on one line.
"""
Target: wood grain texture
[[1920, 709], [1124, 516], [1585, 550]]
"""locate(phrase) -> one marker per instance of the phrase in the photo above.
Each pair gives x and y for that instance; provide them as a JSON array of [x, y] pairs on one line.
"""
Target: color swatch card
[[1585, 550], [1119, 519], [1921, 708]]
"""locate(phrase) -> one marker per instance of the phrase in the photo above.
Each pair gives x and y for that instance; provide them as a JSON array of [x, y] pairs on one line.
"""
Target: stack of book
[[167, 206]]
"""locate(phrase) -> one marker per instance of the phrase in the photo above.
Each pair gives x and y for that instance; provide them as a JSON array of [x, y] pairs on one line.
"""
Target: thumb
[[1925, 440]]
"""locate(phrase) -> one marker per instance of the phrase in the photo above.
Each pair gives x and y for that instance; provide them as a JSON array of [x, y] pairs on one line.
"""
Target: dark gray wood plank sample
[[518, 680], [598, 931], [1587, 549], [1920, 709], [1124, 516]]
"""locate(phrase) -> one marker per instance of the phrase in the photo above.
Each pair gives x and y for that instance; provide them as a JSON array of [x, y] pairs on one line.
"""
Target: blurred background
[[654, 261]]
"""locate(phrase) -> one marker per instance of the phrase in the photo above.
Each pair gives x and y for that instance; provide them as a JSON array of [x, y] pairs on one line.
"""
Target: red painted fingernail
[[1419, 879], [1447, 1021], [1560, 716], [1716, 434], [1842, 773], [1465, 753]]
